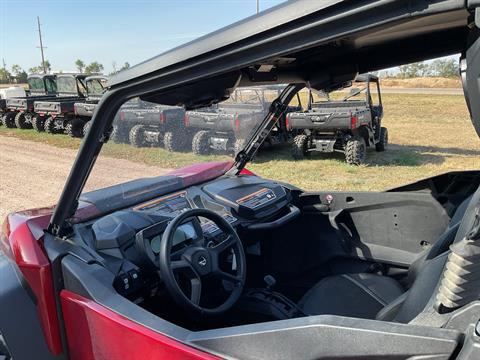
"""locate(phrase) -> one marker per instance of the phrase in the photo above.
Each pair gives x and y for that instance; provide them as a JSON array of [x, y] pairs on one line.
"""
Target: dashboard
[[248, 203]]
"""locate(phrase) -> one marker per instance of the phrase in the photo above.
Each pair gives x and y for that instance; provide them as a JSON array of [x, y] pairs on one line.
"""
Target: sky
[[109, 31]]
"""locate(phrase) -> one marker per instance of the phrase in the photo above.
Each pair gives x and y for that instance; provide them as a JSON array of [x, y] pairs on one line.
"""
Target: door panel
[[386, 227]]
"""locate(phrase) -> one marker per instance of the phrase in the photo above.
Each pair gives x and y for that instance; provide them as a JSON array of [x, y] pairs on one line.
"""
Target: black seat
[[373, 296], [355, 295]]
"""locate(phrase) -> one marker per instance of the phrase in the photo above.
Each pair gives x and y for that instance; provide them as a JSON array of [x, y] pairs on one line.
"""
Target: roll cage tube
[[99, 133], [470, 73], [276, 110]]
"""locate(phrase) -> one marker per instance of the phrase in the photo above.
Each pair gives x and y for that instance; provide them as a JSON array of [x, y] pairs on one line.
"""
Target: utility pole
[[5, 70], [41, 45], [258, 6]]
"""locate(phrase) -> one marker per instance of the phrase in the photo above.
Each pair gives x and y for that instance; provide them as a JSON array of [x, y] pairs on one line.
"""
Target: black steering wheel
[[200, 264]]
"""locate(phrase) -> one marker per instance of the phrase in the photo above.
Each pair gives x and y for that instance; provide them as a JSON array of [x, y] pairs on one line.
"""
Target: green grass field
[[429, 135]]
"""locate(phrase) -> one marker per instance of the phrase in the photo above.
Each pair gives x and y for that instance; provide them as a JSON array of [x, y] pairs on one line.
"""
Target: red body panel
[[26, 251], [95, 332], [245, 171]]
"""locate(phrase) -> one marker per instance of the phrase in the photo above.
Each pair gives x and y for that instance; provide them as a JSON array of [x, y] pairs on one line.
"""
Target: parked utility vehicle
[[226, 126], [346, 120], [120, 129], [83, 110], [214, 262], [161, 125], [9, 93], [56, 115], [19, 111], [150, 124]]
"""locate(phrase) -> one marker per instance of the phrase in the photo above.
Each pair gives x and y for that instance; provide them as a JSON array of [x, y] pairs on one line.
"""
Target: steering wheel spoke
[[226, 244], [196, 291], [234, 279], [199, 241], [180, 265]]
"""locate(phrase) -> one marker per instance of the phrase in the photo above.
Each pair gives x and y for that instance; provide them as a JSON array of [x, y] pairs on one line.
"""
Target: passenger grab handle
[[294, 213]]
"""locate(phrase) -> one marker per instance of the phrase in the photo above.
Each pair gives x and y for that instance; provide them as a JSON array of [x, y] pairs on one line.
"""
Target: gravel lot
[[32, 174]]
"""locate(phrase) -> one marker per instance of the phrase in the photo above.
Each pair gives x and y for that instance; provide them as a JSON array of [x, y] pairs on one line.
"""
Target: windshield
[[96, 86], [51, 84], [149, 139], [356, 92], [36, 84], [67, 84], [262, 96]]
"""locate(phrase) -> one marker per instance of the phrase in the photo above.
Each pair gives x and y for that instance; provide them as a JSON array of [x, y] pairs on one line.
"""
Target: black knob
[[270, 281]]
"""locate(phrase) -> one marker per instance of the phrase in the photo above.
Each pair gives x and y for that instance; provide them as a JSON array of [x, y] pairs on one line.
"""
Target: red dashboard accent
[[28, 254], [95, 332]]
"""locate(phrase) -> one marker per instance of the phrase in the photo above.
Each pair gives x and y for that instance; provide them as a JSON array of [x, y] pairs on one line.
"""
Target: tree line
[[445, 68], [17, 75]]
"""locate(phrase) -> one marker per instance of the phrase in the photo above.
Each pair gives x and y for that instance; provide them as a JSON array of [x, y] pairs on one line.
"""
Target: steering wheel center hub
[[201, 262]]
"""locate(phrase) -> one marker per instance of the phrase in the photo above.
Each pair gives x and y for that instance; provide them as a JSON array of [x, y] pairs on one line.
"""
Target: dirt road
[[33, 174]]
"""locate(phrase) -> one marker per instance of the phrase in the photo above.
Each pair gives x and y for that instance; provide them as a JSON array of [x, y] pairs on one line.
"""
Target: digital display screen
[[171, 205], [183, 233]]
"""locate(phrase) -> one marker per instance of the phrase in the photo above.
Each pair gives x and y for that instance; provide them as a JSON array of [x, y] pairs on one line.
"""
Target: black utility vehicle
[[83, 110], [226, 126], [125, 119], [3, 108], [347, 122], [148, 124], [56, 114], [19, 112]]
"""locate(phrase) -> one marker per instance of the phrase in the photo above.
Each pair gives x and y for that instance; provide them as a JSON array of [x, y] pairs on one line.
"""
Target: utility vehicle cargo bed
[[328, 118], [57, 106], [84, 108]]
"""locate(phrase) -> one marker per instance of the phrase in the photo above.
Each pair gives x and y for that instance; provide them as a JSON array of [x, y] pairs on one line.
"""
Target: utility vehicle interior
[[266, 251], [222, 261]]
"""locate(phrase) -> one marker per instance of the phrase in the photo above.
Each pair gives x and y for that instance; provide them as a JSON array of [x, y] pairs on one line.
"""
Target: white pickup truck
[[8, 93]]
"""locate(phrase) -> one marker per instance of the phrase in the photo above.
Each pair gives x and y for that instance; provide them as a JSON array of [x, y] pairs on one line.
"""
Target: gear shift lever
[[267, 302], [270, 281]]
